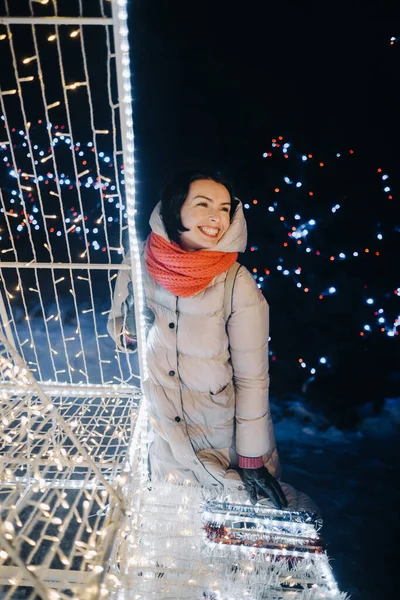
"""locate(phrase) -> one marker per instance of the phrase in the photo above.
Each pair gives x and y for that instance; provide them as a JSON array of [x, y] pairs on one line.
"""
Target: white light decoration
[[79, 517]]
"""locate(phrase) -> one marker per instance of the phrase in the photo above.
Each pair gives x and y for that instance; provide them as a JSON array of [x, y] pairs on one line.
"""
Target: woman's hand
[[261, 482], [128, 313]]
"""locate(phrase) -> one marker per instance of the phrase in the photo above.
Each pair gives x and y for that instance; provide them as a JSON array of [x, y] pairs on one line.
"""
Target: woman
[[208, 380]]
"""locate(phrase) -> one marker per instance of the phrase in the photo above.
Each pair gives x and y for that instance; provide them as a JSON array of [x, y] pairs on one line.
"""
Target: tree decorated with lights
[[324, 234]]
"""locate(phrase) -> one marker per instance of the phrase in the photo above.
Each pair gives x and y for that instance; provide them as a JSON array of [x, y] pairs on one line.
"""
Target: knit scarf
[[184, 273]]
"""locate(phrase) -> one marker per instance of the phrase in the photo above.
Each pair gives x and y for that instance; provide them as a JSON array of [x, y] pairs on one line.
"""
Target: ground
[[352, 476]]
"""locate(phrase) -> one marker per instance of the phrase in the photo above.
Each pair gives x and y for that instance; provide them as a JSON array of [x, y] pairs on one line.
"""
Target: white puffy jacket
[[208, 383]]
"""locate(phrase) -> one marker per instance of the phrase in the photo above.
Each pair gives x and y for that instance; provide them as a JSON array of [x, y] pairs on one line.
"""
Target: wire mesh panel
[[63, 201], [60, 493], [68, 396]]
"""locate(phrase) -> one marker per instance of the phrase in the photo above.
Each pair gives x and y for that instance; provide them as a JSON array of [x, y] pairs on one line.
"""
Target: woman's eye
[[226, 209]]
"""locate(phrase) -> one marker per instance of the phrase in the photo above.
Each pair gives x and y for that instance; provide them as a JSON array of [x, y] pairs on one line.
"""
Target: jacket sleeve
[[115, 318], [248, 330]]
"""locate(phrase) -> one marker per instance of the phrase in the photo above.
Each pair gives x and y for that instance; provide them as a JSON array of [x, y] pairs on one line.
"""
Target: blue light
[[381, 320], [390, 333], [384, 177], [379, 236], [247, 205], [299, 285], [299, 184], [338, 154], [287, 180], [380, 311], [279, 267], [304, 157], [312, 222], [355, 253], [106, 159], [342, 255], [271, 208], [265, 155], [386, 189], [322, 360], [286, 272], [297, 217], [312, 371], [367, 328], [308, 249], [101, 154], [370, 301], [332, 290]]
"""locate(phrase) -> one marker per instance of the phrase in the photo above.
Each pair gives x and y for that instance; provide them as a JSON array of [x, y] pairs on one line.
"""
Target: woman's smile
[[211, 232]]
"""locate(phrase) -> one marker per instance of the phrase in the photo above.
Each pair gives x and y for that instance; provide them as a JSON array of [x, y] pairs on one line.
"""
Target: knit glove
[[128, 314], [261, 482]]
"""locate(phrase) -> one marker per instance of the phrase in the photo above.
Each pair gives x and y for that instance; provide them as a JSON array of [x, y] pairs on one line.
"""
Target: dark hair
[[175, 193]]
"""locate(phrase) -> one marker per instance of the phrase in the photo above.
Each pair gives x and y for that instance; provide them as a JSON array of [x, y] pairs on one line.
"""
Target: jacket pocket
[[224, 397]]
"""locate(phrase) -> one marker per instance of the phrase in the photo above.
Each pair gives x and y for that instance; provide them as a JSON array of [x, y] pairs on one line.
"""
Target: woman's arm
[[248, 330], [115, 324]]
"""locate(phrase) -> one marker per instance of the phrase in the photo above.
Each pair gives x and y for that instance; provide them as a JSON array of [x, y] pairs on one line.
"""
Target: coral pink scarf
[[184, 273]]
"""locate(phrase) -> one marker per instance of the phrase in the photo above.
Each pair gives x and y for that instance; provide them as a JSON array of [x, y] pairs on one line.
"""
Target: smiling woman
[[208, 384], [205, 215]]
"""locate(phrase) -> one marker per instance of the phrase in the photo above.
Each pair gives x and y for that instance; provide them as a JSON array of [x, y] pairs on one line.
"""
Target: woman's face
[[206, 214]]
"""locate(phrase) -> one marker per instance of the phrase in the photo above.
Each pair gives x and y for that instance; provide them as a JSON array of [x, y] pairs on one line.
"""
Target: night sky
[[214, 81]]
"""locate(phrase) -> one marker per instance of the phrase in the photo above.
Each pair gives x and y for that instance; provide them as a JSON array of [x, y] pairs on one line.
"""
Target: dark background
[[214, 81]]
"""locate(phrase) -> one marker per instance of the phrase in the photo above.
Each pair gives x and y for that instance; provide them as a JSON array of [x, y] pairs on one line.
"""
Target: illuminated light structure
[[79, 517], [68, 398]]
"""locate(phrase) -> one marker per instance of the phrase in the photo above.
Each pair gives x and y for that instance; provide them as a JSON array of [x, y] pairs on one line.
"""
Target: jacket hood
[[233, 240]]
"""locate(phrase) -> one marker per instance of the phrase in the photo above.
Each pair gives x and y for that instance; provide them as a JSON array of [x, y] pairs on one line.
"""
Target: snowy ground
[[352, 476]]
